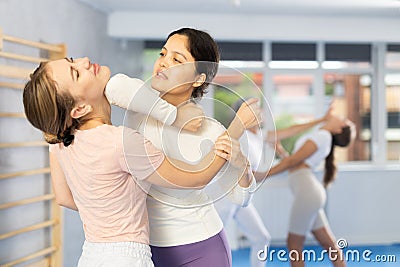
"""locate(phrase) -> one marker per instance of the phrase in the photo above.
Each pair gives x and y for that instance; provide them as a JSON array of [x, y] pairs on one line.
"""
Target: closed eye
[[77, 74], [74, 71]]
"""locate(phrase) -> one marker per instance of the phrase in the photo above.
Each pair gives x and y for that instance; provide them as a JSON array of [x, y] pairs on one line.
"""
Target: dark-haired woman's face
[[174, 71], [336, 124]]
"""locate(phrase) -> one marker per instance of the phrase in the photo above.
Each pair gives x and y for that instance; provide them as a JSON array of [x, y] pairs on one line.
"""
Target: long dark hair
[[343, 139], [205, 51]]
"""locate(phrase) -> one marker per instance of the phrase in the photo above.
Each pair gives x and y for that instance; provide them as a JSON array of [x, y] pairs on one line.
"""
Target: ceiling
[[376, 8]]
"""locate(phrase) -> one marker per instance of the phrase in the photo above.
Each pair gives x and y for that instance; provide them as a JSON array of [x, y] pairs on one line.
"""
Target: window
[[348, 86], [300, 80], [293, 101], [393, 56], [351, 96], [392, 85], [230, 86], [293, 56], [339, 56], [239, 77]]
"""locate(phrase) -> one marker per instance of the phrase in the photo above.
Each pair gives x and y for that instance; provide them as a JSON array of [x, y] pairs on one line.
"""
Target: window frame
[[377, 70]]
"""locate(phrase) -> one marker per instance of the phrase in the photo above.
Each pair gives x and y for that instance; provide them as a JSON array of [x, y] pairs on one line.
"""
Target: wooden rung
[[24, 173], [22, 57], [12, 85], [26, 201], [44, 262], [30, 228], [15, 72], [12, 115], [23, 144], [49, 47], [38, 254]]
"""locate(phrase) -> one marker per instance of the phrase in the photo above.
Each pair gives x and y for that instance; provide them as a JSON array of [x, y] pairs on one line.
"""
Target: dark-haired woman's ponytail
[[330, 167]]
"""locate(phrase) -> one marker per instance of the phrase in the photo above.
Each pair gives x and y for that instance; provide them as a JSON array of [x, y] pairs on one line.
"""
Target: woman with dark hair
[[185, 229], [103, 171], [309, 195]]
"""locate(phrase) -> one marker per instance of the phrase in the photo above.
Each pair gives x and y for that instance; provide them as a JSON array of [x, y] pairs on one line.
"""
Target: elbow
[[60, 201], [199, 186], [194, 184], [198, 182], [66, 203]]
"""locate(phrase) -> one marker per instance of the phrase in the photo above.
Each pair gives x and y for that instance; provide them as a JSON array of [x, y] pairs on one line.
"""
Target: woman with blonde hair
[[104, 171]]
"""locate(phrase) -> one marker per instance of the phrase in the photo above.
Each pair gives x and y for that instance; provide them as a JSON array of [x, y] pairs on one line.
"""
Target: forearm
[[64, 198], [205, 163], [292, 130], [282, 166], [299, 128], [178, 174], [132, 94], [236, 128], [62, 192]]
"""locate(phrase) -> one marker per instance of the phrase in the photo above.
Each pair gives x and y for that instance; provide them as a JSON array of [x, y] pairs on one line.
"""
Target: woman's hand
[[249, 113], [229, 149], [248, 116], [189, 117]]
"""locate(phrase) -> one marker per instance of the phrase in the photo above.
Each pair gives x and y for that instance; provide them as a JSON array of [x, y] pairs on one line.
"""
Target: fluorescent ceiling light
[[392, 79], [293, 64], [241, 64], [333, 65]]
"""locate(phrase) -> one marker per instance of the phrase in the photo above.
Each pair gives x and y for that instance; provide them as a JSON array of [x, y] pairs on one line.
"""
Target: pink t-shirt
[[105, 168]]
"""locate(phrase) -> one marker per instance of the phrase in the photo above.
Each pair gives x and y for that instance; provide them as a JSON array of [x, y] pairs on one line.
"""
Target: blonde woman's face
[[174, 71], [84, 80]]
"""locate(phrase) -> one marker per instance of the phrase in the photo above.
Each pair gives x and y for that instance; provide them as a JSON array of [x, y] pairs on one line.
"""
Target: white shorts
[[309, 199], [121, 254]]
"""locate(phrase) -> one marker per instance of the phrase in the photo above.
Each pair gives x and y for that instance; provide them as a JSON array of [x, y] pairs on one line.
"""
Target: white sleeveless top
[[322, 139]]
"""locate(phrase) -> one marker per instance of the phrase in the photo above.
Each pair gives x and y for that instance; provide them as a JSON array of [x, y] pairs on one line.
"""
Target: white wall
[[83, 30], [361, 28], [361, 205]]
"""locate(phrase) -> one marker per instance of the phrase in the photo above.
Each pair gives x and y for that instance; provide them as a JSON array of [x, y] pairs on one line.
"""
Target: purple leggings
[[214, 251]]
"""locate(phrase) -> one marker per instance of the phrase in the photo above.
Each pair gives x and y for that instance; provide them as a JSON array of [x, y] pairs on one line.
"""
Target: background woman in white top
[[309, 195], [185, 229], [247, 218]]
